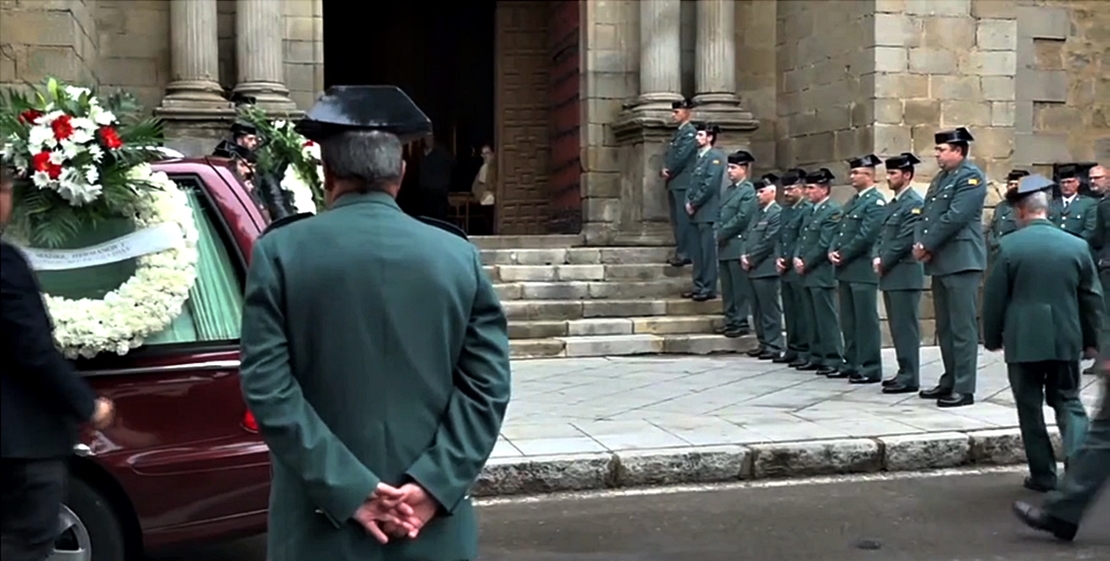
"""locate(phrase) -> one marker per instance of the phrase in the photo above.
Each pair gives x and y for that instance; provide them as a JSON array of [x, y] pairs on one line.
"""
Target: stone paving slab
[[586, 423]]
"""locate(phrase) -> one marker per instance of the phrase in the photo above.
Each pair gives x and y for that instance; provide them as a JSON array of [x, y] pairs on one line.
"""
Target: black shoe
[[1038, 519], [809, 366], [862, 380], [704, 297], [688, 294], [898, 387], [832, 373], [889, 382], [769, 355], [798, 363], [721, 330], [677, 262], [956, 400], [785, 358], [1034, 485], [935, 393], [755, 352]]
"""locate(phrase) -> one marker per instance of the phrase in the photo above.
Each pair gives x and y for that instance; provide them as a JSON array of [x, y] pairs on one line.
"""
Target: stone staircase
[[565, 300]]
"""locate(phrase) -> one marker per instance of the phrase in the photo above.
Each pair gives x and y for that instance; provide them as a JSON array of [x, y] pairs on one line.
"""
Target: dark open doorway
[[441, 54]]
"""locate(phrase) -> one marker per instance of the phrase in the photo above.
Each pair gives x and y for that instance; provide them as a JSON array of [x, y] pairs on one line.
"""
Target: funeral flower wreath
[[290, 157], [79, 165]]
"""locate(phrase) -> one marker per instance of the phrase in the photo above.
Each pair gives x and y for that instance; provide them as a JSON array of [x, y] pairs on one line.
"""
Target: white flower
[[83, 124], [58, 158], [100, 116], [280, 124], [41, 137], [74, 188], [311, 151], [92, 174], [300, 191], [70, 149], [74, 92], [96, 152], [41, 179]]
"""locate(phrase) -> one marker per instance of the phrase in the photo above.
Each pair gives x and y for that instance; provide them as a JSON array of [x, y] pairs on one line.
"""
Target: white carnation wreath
[[300, 191], [147, 302]]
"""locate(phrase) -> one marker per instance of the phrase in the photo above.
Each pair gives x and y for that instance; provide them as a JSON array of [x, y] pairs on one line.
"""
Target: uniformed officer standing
[[949, 240], [1072, 211], [901, 277], [759, 260], [702, 205], [797, 208], [337, 305], [850, 254], [678, 172], [1101, 245], [811, 260], [738, 206], [1042, 305], [1003, 220]]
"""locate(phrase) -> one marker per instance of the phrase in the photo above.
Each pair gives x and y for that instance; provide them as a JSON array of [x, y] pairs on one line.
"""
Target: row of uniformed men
[[816, 252]]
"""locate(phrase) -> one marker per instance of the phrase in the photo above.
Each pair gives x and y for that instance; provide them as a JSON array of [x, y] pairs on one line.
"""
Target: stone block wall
[[40, 39], [756, 74], [135, 47]]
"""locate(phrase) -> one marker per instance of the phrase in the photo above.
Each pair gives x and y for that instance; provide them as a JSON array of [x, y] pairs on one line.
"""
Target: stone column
[[194, 46], [715, 67], [259, 54], [660, 52]]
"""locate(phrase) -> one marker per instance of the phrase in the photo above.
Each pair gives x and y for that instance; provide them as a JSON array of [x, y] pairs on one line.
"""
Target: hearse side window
[[213, 309]]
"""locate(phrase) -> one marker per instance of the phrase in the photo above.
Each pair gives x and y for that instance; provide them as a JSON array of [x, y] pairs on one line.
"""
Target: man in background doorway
[[434, 180]]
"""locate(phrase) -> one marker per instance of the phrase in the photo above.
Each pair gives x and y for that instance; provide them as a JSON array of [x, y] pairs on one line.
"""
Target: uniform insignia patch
[[880, 202], [915, 211], [973, 181], [715, 162], [835, 217]]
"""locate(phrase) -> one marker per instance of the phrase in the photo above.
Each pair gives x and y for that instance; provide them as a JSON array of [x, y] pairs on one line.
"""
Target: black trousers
[[33, 491]]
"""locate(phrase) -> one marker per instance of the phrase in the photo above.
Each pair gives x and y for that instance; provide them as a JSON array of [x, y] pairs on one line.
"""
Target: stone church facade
[[583, 88]]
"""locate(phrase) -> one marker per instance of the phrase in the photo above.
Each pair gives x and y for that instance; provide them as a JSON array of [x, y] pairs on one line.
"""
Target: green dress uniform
[[1076, 216], [738, 206], [951, 230], [858, 287], [704, 195], [826, 350], [1100, 244], [902, 282], [761, 249], [680, 159], [1042, 304], [374, 349], [798, 328], [1003, 222]]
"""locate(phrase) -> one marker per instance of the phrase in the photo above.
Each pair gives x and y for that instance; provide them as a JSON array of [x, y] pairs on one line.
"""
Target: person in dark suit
[[42, 400], [375, 355]]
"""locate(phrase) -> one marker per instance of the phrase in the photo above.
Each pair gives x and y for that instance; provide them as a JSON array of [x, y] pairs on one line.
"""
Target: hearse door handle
[[83, 450]]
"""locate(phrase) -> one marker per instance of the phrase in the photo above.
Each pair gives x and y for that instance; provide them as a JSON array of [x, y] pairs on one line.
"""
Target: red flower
[[110, 138], [308, 143], [63, 128], [41, 162], [28, 117]]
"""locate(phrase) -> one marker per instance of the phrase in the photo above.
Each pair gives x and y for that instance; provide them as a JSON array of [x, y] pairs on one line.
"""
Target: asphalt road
[[962, 516]]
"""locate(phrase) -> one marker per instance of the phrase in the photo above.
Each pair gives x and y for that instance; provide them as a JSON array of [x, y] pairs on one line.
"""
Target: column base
[[271, 97], [194, 131], [737, 125], [723, 99]]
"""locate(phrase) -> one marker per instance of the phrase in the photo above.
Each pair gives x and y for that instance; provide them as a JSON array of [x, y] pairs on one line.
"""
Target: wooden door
[[566, 117]]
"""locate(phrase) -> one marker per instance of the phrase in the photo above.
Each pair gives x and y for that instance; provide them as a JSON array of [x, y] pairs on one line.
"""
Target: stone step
[[576, 256], [545, 241], [554, 273], [627, 345], [655, 325], [600, 290], [561, 310]]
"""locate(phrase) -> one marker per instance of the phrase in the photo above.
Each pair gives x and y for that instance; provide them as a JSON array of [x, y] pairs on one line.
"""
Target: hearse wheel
[[88, 528]]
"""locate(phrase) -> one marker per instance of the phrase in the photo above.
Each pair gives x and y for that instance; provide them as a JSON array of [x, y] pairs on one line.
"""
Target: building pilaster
[[259, 55]]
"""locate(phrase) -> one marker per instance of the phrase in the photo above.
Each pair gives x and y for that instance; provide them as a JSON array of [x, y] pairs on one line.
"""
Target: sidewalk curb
[[729, 463]]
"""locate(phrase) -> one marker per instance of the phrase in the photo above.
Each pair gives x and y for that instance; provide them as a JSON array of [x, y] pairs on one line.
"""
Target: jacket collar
[[372, 197]]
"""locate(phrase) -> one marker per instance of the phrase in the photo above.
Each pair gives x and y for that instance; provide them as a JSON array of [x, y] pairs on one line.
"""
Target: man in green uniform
[[738, 206], [678, 172], [759, 261], [949, 241], [901, 277], [1042, 305], [858, 284], [797, 208], [811, 260], [1003, 220], [1073, 212], [375, 355], [702, 206], [1100, 244]]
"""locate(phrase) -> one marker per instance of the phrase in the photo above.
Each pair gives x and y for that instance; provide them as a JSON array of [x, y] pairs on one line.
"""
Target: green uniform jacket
[[951, 225], [738, 205], [374, 349], [1078, 219], [859, 230], [895, 247], [1042, 299], [705, 189], [681, 156], [1003, 222], [793, 217], [762, 242], [1100, 242], [818, 232]]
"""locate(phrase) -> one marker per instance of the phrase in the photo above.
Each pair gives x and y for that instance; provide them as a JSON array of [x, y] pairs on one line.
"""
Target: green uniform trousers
[[734, 294], [1088, 469], [767, 313], [956, 306], [797, 326], [903, 311], [1104, 338], [685, 234], [863, 333], [1056, 383], [704, 256], [825, 347]]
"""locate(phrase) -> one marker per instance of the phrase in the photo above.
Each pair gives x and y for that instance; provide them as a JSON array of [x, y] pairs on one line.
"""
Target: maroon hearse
[[184, 463]]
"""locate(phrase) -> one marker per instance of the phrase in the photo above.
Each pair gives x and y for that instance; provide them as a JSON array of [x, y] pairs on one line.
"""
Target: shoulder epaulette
[[445, 226], [286, 221]]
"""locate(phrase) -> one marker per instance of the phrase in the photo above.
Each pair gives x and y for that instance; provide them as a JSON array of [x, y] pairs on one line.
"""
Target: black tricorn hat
[[821, 177], [365, 108], [1016, 175], [904, 161], [232, 150], [949, 137], [768, 180], [1027, 186], [684, 104], [711, 129], [794, 176], [740, 157], [868, 161], [242, 128], [1067, 172]]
